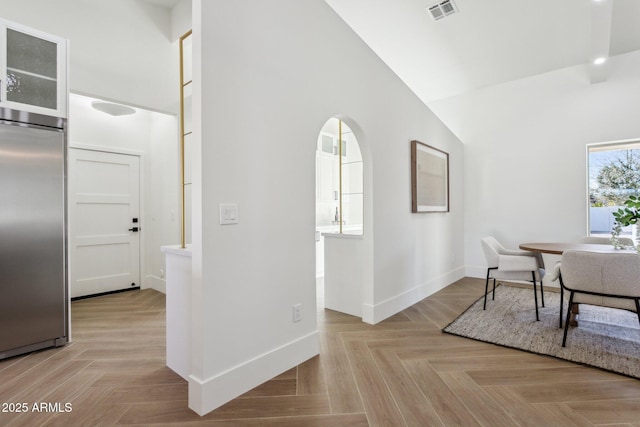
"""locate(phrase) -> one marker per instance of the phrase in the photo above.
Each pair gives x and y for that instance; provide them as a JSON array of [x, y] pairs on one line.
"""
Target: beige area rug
[[605, 338]]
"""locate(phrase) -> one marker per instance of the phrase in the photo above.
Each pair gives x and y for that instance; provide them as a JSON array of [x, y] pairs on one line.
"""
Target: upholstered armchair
[[604, 279], [600, 240], [508, 264]]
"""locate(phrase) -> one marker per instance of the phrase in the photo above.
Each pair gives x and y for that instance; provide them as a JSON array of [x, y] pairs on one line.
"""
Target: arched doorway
[[339, 189]]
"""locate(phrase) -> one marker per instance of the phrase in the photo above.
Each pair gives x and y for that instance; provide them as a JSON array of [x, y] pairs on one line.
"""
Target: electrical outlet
[[297, 312]]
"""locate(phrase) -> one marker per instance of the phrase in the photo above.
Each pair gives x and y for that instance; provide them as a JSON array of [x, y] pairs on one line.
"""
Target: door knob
[[134, 229]]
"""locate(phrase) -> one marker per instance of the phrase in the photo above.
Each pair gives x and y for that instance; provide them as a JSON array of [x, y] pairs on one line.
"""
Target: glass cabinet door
[[35, 64]]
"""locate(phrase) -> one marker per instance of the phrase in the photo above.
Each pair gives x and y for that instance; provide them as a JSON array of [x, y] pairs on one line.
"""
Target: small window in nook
[[339, 180]]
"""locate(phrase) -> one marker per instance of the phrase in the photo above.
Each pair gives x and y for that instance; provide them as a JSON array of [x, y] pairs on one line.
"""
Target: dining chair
[[553, 276], [599, 240], [508, 264], [604, 279]]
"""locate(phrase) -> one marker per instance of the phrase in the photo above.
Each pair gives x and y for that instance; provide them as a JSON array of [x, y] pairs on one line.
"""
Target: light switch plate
[[228, 213]]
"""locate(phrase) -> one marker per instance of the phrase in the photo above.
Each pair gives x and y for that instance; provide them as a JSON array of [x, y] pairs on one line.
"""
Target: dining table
[[558, 248]]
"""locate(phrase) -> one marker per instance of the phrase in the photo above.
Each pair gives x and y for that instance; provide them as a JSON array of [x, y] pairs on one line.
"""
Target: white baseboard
[[157, 283], [376, 313], [207, 395], [477, 272]]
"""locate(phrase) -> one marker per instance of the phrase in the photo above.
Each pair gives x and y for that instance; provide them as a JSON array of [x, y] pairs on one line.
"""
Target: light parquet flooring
[[401, 372]]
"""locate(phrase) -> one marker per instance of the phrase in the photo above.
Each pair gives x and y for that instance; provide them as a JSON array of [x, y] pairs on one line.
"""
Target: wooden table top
[[559, 248]]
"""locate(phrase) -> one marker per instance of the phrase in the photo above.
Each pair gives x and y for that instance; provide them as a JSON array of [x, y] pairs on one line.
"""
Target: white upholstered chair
[[599, 240], [604, 279], [508, 264]]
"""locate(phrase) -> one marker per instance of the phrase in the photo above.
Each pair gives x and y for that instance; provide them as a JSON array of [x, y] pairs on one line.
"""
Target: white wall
[[153, 136], [180, 19], [162, 189], [525, 151], [119, 49], [265, 82]]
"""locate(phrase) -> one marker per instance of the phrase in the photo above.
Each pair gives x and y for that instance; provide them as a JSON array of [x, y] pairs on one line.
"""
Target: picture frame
[[429, 178]]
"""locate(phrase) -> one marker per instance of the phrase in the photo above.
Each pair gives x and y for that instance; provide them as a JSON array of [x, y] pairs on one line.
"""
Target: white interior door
[[104, 207]]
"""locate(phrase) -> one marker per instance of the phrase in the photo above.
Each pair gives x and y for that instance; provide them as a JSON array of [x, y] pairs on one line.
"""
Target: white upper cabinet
[[34, 70]]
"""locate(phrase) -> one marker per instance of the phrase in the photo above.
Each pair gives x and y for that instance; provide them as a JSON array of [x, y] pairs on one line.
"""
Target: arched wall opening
[[341, 218]]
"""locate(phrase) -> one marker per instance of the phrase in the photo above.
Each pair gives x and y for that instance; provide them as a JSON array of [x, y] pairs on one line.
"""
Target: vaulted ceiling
[[488, 42]]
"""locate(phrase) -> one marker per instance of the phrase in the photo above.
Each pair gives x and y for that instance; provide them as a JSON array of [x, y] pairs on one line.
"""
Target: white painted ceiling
[[489, 42]]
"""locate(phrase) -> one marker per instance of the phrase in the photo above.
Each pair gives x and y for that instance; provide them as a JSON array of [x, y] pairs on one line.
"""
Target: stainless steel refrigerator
[[33, 260]]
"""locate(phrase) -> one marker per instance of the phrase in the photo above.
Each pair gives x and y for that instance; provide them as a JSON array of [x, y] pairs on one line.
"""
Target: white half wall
[[267, 76], [525, 151]]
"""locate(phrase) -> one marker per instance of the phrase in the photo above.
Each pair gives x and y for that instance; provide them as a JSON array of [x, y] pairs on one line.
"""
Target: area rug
[[605, 338]]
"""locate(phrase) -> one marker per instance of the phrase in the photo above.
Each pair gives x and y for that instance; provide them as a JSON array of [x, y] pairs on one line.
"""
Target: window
[[614, 175], [339, 180]]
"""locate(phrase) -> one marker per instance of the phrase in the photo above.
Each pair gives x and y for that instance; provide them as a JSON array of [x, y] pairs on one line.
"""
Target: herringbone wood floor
[[401, 372]]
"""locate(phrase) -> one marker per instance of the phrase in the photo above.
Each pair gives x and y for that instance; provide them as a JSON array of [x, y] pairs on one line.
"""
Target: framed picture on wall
[[429, 178]]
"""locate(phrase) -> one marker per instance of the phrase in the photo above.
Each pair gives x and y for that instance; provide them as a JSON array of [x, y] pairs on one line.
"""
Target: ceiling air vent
[[442, 9]]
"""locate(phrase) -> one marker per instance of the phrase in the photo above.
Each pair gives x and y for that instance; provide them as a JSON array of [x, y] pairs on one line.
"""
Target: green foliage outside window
[[617, 179]]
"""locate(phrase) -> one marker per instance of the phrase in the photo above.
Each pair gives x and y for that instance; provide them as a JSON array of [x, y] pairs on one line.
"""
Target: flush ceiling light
[[112, 109], [599, 61]]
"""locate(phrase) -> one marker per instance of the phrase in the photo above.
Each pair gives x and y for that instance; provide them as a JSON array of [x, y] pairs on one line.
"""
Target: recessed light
[[599, 61]]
